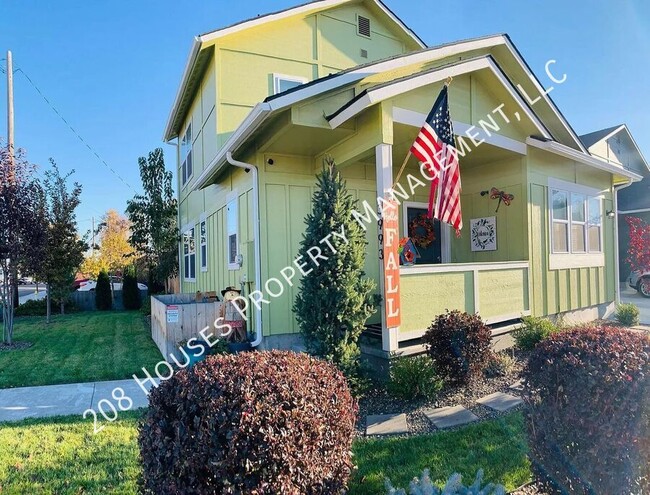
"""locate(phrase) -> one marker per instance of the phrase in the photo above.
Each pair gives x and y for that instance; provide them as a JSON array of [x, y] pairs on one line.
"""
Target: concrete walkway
[[68, 399]]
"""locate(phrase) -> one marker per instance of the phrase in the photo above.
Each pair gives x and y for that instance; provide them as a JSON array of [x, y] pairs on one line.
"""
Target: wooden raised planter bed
[[179, 317]]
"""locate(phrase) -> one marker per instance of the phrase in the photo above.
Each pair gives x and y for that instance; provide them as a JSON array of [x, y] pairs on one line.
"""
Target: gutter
[[617, 267], [256, 228]]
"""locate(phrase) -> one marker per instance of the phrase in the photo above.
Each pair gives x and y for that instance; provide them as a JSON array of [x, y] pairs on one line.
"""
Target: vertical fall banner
[[391, 264]]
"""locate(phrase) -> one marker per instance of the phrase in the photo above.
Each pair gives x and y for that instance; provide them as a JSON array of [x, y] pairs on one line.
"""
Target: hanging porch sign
[[390, 249], [483, 234]]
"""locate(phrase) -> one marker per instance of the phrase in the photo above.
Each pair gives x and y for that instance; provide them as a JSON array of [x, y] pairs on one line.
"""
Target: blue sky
[[112, 69]]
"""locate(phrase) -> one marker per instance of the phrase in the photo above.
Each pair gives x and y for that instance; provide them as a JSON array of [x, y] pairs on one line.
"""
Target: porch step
[[501, 339]]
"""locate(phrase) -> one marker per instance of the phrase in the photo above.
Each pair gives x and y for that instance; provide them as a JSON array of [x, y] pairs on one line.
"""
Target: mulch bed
[[379, 401], [16, 346]]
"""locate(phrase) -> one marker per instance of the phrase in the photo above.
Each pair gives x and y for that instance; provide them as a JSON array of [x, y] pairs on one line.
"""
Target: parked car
[[641, 282], [24, 281], [116, 282]]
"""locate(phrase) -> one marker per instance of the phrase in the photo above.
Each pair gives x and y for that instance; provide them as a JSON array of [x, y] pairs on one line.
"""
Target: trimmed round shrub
[[588, 420], [103, 295], [258, 422], [532, 332], [413, 378], [130, 291], [628, 314], [459, 344]]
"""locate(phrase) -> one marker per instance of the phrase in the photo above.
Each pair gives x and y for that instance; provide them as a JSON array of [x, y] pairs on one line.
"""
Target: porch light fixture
[[610, 213]]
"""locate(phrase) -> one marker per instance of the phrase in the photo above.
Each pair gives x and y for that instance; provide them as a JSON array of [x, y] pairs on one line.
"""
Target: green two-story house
[[262, 102]]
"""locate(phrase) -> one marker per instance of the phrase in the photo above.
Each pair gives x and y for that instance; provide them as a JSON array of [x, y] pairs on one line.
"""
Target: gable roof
[[199, 56], [501, 49], [592, 138]]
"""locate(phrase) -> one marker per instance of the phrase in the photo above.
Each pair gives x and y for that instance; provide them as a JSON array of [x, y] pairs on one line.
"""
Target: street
[[629, 295]]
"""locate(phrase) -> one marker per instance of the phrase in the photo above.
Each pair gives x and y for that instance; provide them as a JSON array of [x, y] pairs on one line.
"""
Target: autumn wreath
[[421, 231]]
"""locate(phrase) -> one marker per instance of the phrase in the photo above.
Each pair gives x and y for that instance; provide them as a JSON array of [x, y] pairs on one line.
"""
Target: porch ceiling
[[404, 135]]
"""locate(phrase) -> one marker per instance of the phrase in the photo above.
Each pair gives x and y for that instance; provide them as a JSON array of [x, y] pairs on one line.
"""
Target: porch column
[[384, 174]]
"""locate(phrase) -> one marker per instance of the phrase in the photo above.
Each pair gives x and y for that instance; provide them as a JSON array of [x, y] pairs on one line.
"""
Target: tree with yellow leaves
[[114, 251]]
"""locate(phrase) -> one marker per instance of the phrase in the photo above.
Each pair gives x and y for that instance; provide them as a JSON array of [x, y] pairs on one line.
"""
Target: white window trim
[[203, 262], [445, 231], [230, 198], [186, 180], [185, 277], [285, 77], [560, 261]]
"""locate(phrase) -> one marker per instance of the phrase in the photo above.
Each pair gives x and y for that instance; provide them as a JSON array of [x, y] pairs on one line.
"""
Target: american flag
[[434, 147]]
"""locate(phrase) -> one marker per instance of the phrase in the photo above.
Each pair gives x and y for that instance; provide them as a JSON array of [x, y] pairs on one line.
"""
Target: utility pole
[[11, 173], [92, 248], [10, 115]]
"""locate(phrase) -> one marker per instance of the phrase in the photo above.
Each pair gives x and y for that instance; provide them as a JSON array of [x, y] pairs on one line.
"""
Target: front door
[[425, 234]]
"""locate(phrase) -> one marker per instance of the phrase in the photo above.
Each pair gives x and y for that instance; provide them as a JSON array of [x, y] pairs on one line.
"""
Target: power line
[[74, 131]]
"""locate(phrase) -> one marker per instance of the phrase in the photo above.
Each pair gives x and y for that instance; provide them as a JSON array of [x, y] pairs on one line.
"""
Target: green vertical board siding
[[424, 296], [503, 292], [557, 291]]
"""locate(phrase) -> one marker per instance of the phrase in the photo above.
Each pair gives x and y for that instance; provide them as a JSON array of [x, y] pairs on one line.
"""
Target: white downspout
[[256, 228], [617, 268]]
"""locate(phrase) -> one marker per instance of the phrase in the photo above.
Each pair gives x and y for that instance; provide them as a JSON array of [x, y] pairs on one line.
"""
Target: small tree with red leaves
[[638, 252], [23, 227]]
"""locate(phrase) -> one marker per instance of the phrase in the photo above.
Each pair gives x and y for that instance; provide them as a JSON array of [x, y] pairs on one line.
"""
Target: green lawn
[[497, 446], [62, 456], [80, 347]]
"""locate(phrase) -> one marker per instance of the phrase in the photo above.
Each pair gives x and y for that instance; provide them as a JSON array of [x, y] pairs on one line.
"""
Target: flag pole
[[399, 174]]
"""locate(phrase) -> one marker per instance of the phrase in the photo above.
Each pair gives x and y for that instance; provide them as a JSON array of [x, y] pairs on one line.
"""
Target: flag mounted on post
[[434, 146]]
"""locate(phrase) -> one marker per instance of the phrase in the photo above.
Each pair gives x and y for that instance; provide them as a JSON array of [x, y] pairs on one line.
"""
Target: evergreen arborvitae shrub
[[335, 298], [103, 296], [262, 422], [130, 292], [459, 344], [588, 415]]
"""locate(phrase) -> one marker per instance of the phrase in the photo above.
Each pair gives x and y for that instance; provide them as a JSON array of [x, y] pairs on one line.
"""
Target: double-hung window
[[189, 255], [203, 245], [576, 225], [186, 155]]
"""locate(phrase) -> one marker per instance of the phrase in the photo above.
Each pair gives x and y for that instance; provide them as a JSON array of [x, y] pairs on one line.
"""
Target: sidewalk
[[68, 399]]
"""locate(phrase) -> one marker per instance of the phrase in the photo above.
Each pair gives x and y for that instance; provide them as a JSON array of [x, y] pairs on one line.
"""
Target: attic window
[[363, 26]]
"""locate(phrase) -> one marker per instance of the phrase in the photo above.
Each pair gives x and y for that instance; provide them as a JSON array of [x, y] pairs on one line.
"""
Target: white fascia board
[[543, 93], [386, 65], [382, 93], [416, 119], [417, 81], [250, 124], [584, 158], [191, 59], [319, 5], [399, 22]]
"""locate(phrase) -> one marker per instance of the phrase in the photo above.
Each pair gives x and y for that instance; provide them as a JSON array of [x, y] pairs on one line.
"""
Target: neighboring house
[[617, 146], [262, 102]]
